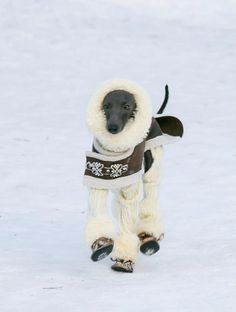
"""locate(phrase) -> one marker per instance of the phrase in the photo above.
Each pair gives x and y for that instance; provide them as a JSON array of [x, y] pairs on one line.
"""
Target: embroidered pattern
[[117, 170], [99, 170], [95, 167]]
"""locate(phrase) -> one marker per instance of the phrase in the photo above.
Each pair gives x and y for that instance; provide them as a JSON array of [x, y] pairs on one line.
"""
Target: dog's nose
[[113, 128]]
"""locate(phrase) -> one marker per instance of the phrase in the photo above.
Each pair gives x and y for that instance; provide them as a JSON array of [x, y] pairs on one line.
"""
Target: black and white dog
[[127, 150]]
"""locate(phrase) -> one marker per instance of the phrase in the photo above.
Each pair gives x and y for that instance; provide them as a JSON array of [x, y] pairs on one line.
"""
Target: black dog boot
[[101, 248], [121, 265], [149, 244]]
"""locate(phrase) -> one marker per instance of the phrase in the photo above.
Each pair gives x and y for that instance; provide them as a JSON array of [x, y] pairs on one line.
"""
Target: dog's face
[[119, 106]]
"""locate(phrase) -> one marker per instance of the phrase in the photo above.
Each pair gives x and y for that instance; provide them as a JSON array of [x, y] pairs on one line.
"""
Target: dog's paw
[[122, 265], [101, 248], [149, 244]]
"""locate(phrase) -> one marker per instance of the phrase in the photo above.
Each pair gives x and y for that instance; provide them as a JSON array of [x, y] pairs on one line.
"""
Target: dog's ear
[[170, 125]]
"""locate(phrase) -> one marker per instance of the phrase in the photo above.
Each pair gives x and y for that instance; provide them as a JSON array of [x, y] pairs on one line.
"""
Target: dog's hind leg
[[126, 243], [149, 228], [99, 228]]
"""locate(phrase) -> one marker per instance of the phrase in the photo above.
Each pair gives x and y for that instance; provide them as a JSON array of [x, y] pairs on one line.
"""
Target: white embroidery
[[95, 167], [114, 171], [117, 170]]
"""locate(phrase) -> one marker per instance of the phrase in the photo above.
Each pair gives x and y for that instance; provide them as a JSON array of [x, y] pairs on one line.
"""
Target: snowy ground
[[52, 56]]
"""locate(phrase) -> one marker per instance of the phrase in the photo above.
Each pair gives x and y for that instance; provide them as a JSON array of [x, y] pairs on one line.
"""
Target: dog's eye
[[126, 106], [106, 105]]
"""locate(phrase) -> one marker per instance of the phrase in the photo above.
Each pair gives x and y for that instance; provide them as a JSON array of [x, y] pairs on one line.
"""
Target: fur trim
[[151, 225], [99, 227], [126, 247], [134, 131]]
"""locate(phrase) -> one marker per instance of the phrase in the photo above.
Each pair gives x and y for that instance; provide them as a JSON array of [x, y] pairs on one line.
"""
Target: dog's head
[[119, 106], [119, 115]]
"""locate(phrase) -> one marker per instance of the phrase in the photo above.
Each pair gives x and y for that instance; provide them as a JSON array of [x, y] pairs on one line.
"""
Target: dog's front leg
[[99, 229], [126, 243], [150, 228]]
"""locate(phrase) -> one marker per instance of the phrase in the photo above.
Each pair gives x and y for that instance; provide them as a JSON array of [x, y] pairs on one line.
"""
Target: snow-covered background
[[53, 54]]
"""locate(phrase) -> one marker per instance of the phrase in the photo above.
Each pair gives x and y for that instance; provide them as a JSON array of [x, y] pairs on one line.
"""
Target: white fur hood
[[134, 131]]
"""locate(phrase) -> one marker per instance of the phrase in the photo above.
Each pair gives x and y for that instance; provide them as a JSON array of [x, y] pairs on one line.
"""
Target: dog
[[125, 158]]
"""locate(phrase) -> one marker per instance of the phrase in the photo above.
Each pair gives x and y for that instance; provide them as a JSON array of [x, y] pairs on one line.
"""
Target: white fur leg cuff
[[126, 247], [99, 227], [150, 226]]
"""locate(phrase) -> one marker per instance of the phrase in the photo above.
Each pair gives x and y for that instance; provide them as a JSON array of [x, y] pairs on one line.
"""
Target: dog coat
[[109, 170]]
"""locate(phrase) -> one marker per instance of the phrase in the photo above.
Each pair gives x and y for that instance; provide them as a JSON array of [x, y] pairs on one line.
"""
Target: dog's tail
[[163, 106]]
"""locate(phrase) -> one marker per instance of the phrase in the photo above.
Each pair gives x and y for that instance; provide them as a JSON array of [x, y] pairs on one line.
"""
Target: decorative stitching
[[95, 167], [99, 170]]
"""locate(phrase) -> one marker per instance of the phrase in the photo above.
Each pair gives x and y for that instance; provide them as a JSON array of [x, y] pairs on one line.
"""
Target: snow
[[53, 54]]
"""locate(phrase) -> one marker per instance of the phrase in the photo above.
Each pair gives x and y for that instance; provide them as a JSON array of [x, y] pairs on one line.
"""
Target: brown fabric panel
[[171, 125], [154, 130], [136, 159], [110, 170], [148, 160]]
